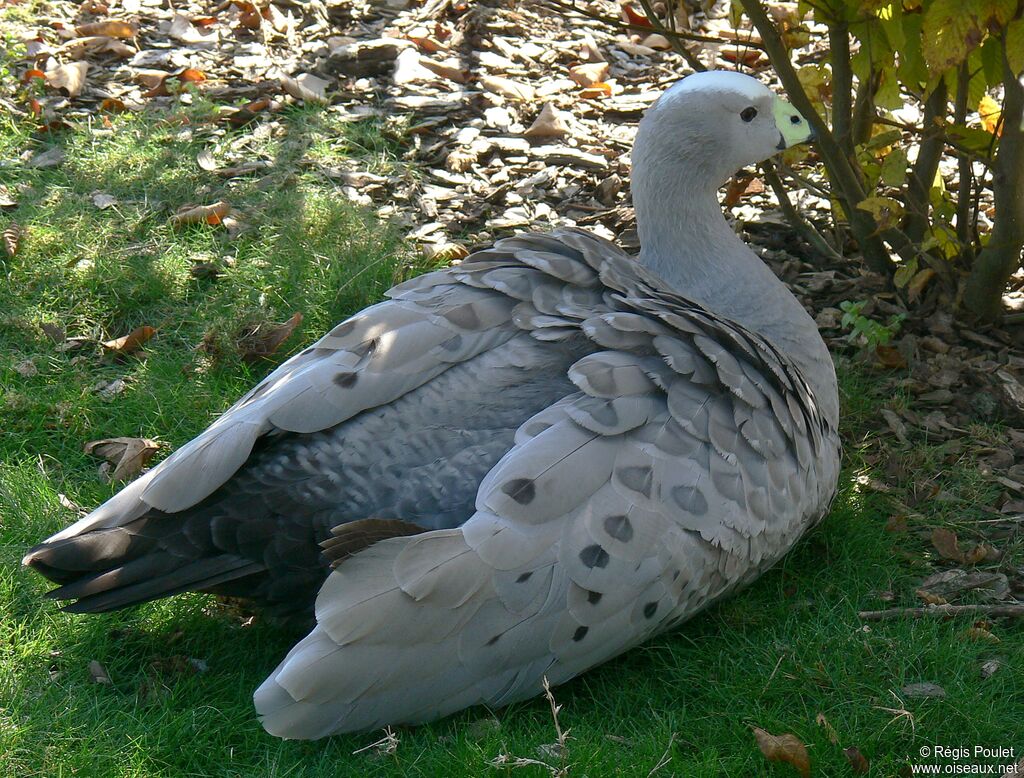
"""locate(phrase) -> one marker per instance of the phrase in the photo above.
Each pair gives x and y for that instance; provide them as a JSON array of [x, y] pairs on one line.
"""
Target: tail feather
[[111, 568]]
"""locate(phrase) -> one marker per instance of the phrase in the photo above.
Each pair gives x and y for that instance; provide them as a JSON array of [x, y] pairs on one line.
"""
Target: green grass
[[778, 655]]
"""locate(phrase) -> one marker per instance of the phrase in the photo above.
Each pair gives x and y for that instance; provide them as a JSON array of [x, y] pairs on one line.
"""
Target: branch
[[922, 175], [842, 85], [807, 230], [656, 26], [996, 611], [963, 189], [847, 181]]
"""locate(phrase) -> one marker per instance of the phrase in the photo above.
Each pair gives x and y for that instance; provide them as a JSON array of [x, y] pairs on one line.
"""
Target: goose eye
[[794, 120], [748, 114]]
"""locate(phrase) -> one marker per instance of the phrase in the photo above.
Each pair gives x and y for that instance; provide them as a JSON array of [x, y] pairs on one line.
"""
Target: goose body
[[510, 470]]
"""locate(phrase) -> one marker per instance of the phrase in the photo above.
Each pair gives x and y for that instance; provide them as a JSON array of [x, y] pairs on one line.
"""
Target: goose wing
[[690, 459]]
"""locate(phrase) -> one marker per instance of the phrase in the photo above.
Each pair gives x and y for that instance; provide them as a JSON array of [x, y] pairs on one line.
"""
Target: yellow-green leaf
[[1015, 45], [885, 210], [951, 30], [894, 168], [904, 273]]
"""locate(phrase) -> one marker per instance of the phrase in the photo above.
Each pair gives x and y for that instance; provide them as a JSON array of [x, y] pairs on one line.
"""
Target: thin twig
[[613, 22], [1007, 611], [807, 230]]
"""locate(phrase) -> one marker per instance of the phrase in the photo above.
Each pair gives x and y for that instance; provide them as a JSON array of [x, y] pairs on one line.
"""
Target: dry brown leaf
[[857, 760], [53, 332], [102, 200], [600, 89], [131, 342], [113, 105], [822, 721], [112, 28], [183, 30], [740, 186], [201, 214], [631, 16], [263, 340], [306, 87], [96, 44], [930, 598], [7, 200], [549, 124], [589, 73], [890, 357], [507, 88], [981, 635], [946, 543], [451, 72], [69, 77], [919, 282], [157, 81], [428, 44], [206, 161], [784, 748], [12, 239], [127, 456], [98, 673]]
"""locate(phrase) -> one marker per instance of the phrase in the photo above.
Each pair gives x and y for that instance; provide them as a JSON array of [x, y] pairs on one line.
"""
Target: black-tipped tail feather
[[108, 569]]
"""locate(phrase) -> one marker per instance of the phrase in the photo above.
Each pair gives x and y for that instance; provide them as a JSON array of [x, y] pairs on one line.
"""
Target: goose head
[[712, 124]]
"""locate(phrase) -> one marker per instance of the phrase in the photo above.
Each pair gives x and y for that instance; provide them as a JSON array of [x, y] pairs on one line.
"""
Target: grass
[[780, 656]]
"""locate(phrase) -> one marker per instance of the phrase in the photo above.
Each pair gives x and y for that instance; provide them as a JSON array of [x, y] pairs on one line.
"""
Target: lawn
[[788, 655]]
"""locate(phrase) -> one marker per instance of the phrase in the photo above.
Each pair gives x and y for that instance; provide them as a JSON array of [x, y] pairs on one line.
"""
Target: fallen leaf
[[45, 160], [131, 342], [549, 124], [858, 762], [507, 88], [306, 87], [111, 28], [53, 332], [946, 543], [103, 201], [991, 666], [69, 504], [589, 73], [12, 239], [127, 456], [981, 634], [97, 44], [636, 18], [26, 369], [263, 340], [159, 81], [7, 200], [108, 390], [113, 105], [784, 748], [206, 161], [200, 214], [451, 72], [183, 30], [98, 673], [28, 75], [69, 77], [594, 91], [890, 357], [924, 690]]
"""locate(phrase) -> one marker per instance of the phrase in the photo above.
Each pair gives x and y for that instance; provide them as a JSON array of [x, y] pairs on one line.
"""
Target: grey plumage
[[512, 469]]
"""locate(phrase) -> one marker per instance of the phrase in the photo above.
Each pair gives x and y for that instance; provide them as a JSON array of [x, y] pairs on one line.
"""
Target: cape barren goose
[[511, 469]]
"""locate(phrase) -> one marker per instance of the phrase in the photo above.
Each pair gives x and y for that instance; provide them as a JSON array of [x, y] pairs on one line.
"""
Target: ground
[[165, 689]]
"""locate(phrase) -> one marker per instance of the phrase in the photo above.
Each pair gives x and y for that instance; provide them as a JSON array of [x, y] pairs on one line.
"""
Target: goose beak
[[793, 128]]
